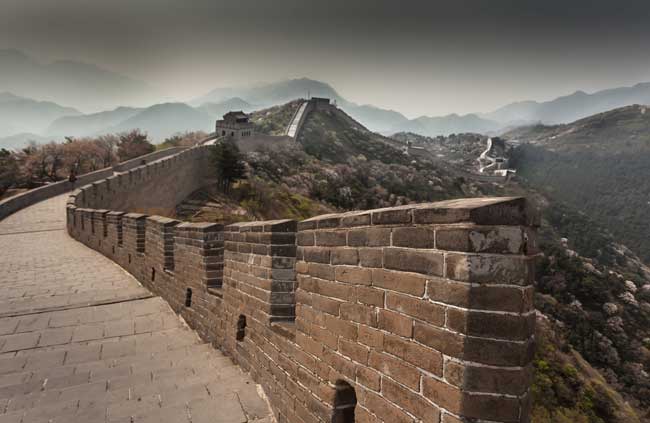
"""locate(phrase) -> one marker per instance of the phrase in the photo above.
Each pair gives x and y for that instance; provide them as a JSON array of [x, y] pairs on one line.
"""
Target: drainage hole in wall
[[345, 401], [188, 297], [241, 328]]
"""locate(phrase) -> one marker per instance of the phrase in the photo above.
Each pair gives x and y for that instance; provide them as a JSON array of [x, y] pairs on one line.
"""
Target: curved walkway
[[82, 341]]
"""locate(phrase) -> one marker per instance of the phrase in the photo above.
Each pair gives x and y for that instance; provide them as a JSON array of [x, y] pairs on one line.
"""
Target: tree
[[107, 144], [184, 139], [229, 163], [133, 144], [82, 156], [8, 170]]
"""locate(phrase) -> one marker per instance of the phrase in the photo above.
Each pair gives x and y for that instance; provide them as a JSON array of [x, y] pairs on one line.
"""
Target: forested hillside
[[599, 165]]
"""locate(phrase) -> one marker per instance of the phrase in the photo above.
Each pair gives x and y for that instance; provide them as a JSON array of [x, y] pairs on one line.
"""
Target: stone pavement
[[82, 341]]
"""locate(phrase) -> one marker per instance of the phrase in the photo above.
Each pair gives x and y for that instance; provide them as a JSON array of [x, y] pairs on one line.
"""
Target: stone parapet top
[[481, 211], [281, 225], [136, 216], [164, 221], [200, 227]]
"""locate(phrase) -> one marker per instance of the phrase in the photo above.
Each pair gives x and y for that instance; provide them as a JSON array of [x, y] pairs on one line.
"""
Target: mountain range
[[18, 114], [85, 86], [271, 94], [124, 102]]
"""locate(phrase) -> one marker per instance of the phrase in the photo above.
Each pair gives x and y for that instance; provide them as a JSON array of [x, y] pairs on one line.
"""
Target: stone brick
[[417, 261], [370, 337], [446, 396], [411, 401], [316, 255], [446, 342], [331, 238], [498, 298], [488, 379], [491, 325], [498, 353], [414, 237], [359, 313], [370, 296], [341, 327], [339, 363], [395, 323], [419, 308], [347, 256], [418, 355], [369, 237], [388, 412], [355, 219], [371, 257], [322, 271], [490, 269], [305, 238], [392, 216], [481, 239], [400, 282], [342, 291], [353, 350], [325, 304], [369, 378], [395, 368], [353, 275]]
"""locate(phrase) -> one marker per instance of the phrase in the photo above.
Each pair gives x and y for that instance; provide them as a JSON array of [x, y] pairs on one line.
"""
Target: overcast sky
[[419, 57]]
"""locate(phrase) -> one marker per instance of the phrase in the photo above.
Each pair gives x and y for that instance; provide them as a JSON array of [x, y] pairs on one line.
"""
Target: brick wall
[[152, 188], [420, 313]]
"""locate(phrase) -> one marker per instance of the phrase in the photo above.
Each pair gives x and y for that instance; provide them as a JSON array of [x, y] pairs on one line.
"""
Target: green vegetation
[[332, 136], [274, 120], [8, 171], [228, 163], [133, 144], [182, 139], [566, 389]]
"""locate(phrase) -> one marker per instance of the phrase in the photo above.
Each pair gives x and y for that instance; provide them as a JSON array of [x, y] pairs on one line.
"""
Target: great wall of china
[[413, 313]]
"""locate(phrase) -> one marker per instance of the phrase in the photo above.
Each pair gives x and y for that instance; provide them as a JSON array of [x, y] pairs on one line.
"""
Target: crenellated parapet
[[419, 313]]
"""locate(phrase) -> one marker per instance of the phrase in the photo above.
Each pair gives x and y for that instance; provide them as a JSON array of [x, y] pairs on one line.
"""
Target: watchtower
[[234, 124]]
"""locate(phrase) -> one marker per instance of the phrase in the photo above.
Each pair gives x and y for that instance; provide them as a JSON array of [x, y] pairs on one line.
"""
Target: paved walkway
[[82, 341]]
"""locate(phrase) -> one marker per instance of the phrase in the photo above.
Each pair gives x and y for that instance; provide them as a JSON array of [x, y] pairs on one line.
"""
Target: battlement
[[414, 313]]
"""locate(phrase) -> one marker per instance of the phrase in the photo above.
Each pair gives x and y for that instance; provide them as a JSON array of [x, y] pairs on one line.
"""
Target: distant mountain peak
[[83, 85]]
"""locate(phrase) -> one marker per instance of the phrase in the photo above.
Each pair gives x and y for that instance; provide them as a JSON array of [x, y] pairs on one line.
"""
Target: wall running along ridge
[[420, 313], [20, 201]]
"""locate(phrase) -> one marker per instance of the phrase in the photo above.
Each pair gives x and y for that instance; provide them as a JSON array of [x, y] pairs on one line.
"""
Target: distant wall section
[[18, 202]]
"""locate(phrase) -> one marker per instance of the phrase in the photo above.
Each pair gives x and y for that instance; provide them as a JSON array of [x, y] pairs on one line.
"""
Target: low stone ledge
[[506, 211]]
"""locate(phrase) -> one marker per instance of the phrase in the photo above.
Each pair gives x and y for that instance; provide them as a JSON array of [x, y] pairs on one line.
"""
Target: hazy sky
[[419, 57]]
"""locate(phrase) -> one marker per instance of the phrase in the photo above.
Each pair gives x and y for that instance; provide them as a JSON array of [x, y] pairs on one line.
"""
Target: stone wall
[[420, 313], [18, 202], [153, 188]]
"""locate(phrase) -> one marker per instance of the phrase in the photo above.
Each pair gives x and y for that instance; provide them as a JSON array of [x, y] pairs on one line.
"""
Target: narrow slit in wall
[[345, 401]]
